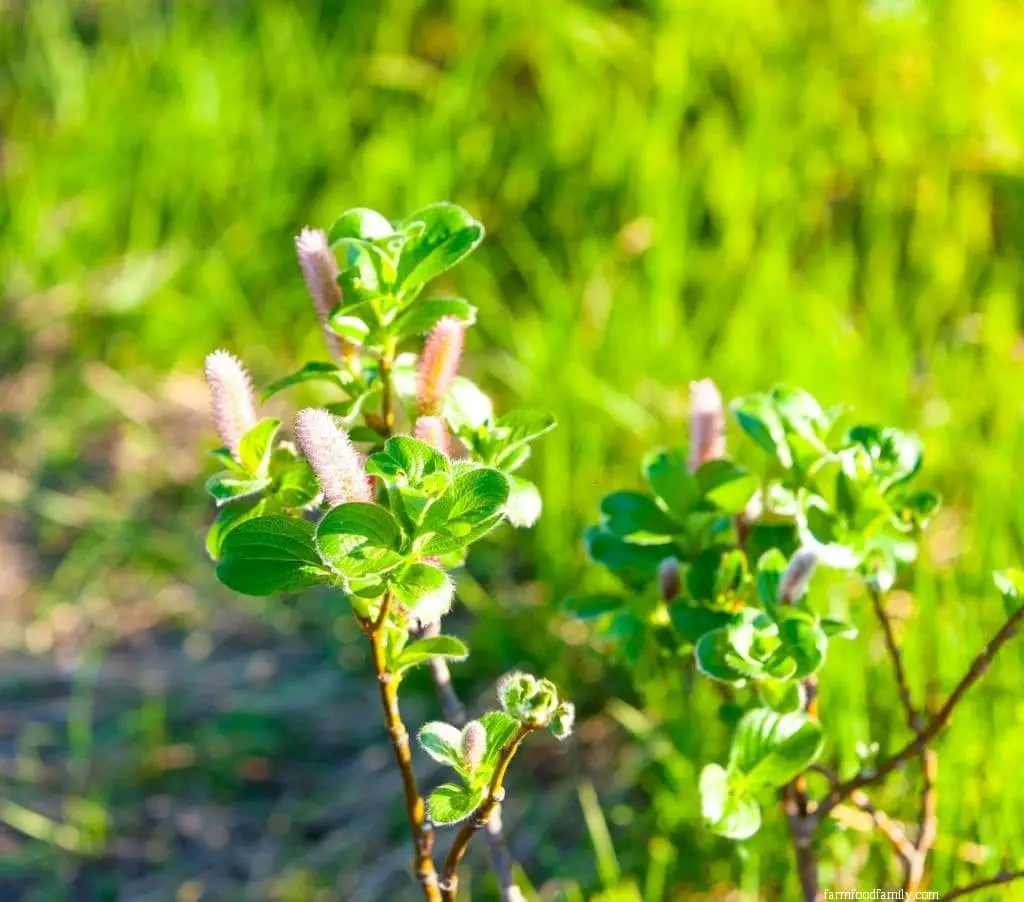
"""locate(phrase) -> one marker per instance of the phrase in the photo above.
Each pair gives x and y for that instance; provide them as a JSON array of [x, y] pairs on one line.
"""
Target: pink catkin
[[333, 458], [707, 424], [433, 431], [231, 399], [320, 271], [439, 364]]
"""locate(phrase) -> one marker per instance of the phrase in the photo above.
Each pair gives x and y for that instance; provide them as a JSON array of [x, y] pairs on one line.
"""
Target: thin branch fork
[[935, 725], [495, 793]]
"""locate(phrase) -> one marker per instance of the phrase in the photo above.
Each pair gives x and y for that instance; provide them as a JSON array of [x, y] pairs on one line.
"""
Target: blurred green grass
[[828, 194]]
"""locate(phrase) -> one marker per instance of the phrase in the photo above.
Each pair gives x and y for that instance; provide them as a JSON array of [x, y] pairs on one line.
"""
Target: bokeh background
[[825, 193]]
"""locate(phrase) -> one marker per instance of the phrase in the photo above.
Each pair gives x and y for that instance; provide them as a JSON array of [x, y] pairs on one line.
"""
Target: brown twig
[[915, 863], [422, 832], [935, 725], [886, 826], [913, 720], [995, 880], [495, 794]]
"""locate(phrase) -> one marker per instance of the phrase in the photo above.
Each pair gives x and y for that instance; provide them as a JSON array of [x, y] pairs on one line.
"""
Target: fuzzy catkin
[[707, 424], [330, 453], [797, 575], [474, 744], [439, 364], [320, 272], [231, 398]]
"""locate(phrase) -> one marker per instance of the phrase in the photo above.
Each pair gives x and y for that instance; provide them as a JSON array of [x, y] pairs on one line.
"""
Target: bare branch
[[996, 880], [924, 737]]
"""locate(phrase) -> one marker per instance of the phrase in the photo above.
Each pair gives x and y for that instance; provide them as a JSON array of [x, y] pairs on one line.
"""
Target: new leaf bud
[[514, 691], [562, 720], [473, 745], [543, 702]]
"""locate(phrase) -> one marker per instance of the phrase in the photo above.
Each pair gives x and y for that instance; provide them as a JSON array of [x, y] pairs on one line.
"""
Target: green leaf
[[838, 629], [314, 371], [408, 461], [771, 749], [805, 642], [1010, 584], [476, 495], [725, 813], [359, 539], [422, 650], [524, 502], [770, 568], [631, 513], [421, 316], [722, 655], [294, 482], [256, 446], [439, 236], [425, 590], [367, 273], [783, 696], [449, 804], [442, 742], [356, 323], [668, 475], [513, 431], [728, 486], [361, 223], [500, 728], [636, 565], [227, 519], [801, 413], [917, 508], [895, 455], [265, 555], [758, 417], [466, 406], [692, 622], [229, 485]]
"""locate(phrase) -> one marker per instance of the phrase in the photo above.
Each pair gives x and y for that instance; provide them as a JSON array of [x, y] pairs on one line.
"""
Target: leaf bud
[[562, 720]]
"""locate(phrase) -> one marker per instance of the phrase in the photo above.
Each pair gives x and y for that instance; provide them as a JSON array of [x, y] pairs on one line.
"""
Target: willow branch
[[915, 863], [977, 670], [913, 720], [415, 808], [493, 797], [995, 880]]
